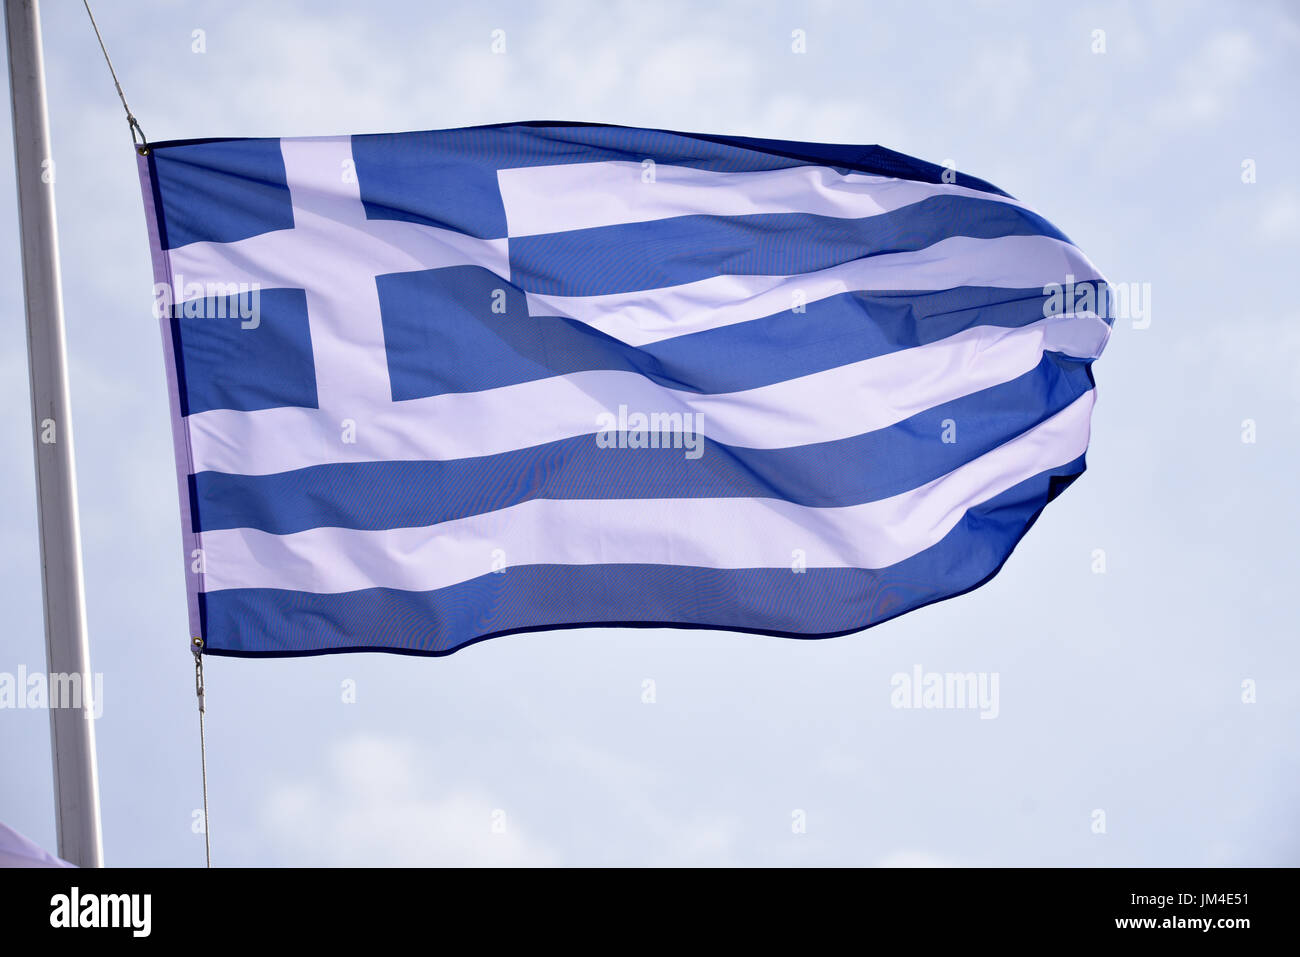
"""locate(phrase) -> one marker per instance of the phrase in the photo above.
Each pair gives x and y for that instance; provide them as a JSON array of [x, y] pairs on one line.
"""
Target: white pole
[[67, 655]]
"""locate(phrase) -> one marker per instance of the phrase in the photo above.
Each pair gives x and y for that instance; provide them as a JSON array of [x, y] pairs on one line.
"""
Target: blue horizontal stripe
[[448, 178], [864, 468], [436, 313], [814, 603], [671, 252]]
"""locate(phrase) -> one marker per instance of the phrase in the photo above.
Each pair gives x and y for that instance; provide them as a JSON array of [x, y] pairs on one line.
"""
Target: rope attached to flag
[[142, 147], [137, 134], [197, 645]]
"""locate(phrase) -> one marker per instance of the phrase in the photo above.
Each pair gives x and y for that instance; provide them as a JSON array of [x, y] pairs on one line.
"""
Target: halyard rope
[[137, 134], [197, 645]]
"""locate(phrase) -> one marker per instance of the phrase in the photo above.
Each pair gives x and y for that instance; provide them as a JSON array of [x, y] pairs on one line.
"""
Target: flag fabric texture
[[430, 388]]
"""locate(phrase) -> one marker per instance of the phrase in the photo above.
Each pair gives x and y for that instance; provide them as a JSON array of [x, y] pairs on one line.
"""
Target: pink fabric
[[17, 851]]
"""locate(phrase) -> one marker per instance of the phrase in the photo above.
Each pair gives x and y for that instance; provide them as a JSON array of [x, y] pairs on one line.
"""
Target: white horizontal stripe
[[834, 404], [711, 533], [651, 315], [552, 199]]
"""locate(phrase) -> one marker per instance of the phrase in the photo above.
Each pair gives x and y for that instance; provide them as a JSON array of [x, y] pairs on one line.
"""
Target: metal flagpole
[[67, 655]]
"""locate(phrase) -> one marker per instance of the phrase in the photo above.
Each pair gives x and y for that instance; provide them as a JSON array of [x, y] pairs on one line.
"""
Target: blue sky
[[1119, 691]]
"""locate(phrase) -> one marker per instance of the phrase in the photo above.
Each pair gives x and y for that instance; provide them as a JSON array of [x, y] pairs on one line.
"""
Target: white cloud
[[700, 838], [1209, 82], [382, 801], [997, 82], [1280, 219]]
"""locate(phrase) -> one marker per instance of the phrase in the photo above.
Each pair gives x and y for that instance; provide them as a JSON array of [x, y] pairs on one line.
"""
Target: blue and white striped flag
[[430, 388]]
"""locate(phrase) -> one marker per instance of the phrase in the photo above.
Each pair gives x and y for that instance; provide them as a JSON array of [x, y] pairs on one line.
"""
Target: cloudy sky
[[1120, 691]]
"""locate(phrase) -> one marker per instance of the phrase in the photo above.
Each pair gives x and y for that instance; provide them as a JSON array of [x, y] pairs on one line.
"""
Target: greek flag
[[431, 388]]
